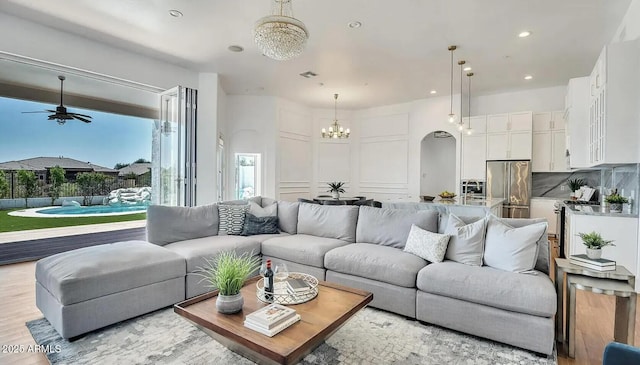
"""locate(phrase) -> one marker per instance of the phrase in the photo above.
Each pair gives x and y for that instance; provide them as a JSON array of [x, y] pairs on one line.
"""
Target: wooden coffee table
[[321, 317]]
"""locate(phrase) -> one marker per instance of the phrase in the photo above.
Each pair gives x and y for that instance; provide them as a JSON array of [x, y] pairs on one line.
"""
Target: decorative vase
[[594, 253], [335, 195], [615, 207], [229, 304]]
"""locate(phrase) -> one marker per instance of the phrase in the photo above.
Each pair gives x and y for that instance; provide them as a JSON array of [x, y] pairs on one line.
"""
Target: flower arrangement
[[615, 198]]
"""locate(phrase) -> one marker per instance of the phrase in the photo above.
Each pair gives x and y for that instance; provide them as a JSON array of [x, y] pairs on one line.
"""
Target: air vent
[[309, 74], [441, 134]]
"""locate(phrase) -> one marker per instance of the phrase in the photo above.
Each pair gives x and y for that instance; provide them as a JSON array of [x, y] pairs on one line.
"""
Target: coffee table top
[[320, 318]]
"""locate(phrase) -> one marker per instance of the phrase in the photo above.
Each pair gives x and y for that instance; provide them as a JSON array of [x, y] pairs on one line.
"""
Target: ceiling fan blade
[[82, 115], [82, 119]]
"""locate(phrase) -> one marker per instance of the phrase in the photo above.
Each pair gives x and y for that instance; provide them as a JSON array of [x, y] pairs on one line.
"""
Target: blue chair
[[620, 354]]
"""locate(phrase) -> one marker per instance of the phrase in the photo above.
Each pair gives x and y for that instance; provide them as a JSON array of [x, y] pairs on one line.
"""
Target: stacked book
[[593, 264], [271, 319]]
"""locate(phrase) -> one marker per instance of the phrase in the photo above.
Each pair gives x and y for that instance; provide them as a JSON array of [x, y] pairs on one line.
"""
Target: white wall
[[294, 150], [629, 28], [545, 99], [209, 96]]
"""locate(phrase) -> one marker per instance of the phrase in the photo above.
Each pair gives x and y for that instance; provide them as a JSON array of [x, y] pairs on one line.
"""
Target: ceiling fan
[[61, 115]]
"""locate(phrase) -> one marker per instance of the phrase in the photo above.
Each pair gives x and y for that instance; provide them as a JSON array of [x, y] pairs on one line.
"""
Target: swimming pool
[[94, 210]]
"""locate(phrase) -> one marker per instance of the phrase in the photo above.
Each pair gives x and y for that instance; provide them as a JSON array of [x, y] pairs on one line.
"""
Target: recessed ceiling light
[[235, 48], [433, 92], [355, 24], [524, 34], [175, 13], [467, 68], [528, 77]]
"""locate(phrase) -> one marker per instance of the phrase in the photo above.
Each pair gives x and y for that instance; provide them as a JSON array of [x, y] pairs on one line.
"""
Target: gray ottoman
[[89, 288]]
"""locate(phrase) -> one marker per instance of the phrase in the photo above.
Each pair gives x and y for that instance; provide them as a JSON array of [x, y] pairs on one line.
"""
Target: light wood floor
[[17, 297]]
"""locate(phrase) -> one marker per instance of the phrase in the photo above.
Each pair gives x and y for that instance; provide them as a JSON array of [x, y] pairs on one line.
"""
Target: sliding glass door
[[174, 166]]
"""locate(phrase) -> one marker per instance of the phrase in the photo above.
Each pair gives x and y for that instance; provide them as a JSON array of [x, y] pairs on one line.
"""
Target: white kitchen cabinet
[[548, 121], [614, 111], [557, 121], [509, 136], [474, 157], [548, 152], [544, 208], [623, 230], [577, 119]]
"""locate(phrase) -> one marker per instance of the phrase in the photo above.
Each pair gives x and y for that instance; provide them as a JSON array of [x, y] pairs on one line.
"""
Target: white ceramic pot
[[594, 253], [229, 304], [615, 207], [335, 195]]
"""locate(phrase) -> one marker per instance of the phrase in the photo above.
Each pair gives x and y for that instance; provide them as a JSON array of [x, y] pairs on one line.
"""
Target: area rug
[[370, 337]]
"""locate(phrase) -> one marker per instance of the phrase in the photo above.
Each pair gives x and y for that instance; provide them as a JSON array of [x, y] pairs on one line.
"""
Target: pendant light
[[469, 131], [452, 117], [461, 122]]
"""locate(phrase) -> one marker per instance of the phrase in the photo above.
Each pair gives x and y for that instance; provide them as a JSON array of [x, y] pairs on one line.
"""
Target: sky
[[107, 140]]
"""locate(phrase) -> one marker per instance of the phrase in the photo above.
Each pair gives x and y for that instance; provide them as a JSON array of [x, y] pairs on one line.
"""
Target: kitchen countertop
[[458, 202], [596, 210]]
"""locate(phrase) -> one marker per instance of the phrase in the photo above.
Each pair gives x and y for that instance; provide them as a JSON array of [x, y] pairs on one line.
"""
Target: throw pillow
[[512, 249], [467, 241], [427, 245], [259, 225], [258, 211], [231, 218]]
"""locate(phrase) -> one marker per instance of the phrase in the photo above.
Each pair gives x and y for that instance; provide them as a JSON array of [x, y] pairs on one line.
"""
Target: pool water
[[96, 209]]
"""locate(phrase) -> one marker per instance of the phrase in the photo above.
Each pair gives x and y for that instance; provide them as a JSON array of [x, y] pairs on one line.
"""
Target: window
[[248, 176]]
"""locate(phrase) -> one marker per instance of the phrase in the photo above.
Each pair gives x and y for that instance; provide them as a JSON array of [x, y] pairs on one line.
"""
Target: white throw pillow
[[467, 241], [427, 245], [258, 211], [512, 249]]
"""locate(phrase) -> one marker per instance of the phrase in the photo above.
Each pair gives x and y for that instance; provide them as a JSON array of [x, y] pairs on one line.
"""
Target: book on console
[[594, 267], [270, 315], [597, 262], [275, 330]]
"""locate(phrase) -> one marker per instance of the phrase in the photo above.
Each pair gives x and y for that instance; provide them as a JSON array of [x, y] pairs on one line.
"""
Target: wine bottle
[[268, 283]]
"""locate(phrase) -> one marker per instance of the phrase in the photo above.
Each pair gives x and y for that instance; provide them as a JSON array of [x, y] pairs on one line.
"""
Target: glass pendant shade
[[452, 118], [280, 36]]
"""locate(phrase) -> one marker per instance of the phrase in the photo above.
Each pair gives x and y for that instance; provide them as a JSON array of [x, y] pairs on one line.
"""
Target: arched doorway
[[437, 163]]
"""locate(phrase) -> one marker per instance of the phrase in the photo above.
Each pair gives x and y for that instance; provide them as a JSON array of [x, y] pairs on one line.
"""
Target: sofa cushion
[[426, 245], [194, 251], [301, 248], [376, 262], [542, 263], [512, 249], [288, 216], [530, 294], [329, 221], [466, 245], [390, 227], [92, 272], [231, 218], [172, 224], [259, 225]]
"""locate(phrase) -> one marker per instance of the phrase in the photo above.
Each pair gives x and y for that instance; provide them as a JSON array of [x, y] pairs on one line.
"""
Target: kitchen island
[[459, 206]]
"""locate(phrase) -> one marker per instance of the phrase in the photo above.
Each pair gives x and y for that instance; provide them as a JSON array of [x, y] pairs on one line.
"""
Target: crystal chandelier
[[280, 36], [335, 130]]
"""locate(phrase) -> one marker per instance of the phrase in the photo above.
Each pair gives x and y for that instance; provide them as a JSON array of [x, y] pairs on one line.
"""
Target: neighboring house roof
[[138, 168], [44, 163]]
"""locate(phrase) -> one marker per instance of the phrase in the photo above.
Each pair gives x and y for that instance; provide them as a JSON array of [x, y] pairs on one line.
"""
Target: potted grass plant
[[335, 188], [574, 186], [615, 202], [594, 243], [227, 272]]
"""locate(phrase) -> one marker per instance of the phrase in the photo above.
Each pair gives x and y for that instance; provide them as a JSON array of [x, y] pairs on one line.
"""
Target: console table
[[619, 282]]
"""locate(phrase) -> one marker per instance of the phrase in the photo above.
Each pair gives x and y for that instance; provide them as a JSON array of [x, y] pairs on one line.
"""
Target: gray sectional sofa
[[362, 247]]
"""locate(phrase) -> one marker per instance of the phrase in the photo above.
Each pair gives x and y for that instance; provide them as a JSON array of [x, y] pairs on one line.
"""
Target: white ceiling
[[398, 55]]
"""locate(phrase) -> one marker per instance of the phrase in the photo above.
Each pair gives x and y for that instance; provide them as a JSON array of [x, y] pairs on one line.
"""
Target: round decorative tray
[[283, 295]]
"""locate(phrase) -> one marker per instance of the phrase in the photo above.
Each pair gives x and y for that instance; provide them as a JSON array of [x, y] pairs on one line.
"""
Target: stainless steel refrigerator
[[511, 181]]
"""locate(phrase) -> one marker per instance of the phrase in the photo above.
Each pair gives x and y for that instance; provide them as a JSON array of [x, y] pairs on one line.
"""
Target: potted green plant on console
[[335, 188], [227, 272], [615, 202], [594, 243]]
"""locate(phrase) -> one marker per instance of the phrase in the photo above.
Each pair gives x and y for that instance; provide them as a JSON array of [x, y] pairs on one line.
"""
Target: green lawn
[[9, 223]]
